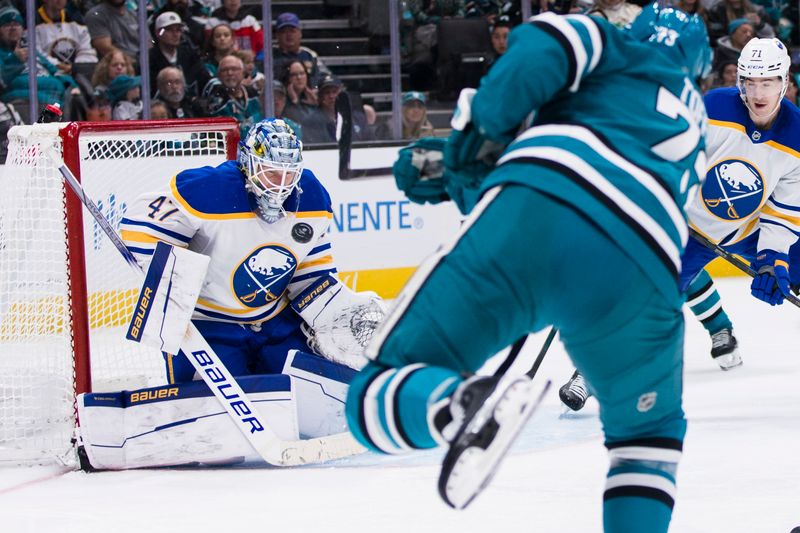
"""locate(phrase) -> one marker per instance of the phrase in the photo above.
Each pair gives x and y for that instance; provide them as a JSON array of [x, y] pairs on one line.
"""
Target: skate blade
[[729, 361], [474, 467]]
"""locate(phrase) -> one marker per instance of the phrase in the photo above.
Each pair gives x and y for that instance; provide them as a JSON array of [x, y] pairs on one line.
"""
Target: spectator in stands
[[791, 90], [171, 89], [252, 77], [320, 125], [99, 106], [247, 32], [112, 65], [721, 14], [170, 52], [620, 13], [188, 12], [227, 96], [302, 98], [279, 105], [8, 118], [415, 116], [725, 74], [219, 44], [289, 37], [52, 83], [740, 31], [693, 7], [433, 11], [499, 38], [159, 110], [64, 40], [125, 94], [112, 25]]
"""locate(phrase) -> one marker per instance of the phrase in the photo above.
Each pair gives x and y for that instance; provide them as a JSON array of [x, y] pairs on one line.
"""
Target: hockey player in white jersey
[[270, 306], [749, 202]]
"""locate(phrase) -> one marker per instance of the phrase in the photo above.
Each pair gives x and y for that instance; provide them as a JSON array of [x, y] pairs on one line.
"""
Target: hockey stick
[[344, 109], [222, 384], [742, 265], [516, 348], [539, 358]]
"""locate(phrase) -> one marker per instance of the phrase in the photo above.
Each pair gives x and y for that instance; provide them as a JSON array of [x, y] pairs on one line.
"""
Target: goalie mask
[[763, 76], [680, 36], [271, 158]]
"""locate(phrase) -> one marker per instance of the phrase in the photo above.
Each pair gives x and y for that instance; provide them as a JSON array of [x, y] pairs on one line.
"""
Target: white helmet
[[763, 58]]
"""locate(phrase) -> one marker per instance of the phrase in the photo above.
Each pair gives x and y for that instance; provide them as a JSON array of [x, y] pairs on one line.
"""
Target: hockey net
[[66, 294]]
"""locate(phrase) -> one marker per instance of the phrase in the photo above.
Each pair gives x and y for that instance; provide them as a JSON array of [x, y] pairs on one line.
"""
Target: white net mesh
[[36, 355]]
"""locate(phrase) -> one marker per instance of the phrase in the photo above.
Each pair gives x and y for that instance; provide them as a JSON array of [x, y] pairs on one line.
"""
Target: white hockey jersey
[[256, 268], [63, 40], [753, 178]]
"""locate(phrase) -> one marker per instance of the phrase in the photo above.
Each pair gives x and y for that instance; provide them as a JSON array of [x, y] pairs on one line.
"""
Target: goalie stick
[[206, 362], [742, 265], [344, 109]]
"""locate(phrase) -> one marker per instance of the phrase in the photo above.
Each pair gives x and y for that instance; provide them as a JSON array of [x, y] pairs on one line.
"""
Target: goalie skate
[[492, 418]]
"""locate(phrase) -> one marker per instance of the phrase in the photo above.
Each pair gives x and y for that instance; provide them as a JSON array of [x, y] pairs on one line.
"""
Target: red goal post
[[65, 293]]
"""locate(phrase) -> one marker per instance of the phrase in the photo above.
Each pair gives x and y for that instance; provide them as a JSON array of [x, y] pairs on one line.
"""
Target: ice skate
[[725, 349], [489, 413], [574, 392]]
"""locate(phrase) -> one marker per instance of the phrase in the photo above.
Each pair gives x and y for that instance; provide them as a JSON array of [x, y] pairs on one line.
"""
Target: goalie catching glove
[[340, 321]]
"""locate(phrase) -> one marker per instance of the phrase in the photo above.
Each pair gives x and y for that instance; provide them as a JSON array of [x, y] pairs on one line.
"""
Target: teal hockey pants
[[522, 261]]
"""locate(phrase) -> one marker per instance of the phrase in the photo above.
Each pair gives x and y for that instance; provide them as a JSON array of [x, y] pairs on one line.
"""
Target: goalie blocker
[[185, 424]]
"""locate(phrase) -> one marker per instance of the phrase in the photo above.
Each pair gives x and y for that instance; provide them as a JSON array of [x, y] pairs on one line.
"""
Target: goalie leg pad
[[179, 424], [321, 389]]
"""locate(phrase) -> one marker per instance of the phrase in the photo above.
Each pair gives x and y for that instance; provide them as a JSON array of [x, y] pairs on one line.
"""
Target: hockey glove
[[468, 151], [418, 171], [340, 322], [771, 283]]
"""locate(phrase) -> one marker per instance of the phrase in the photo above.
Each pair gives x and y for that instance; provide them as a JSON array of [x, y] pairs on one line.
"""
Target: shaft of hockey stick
[[225, 388], [539, 358], [742, 265], [516, 348], [344, 109]]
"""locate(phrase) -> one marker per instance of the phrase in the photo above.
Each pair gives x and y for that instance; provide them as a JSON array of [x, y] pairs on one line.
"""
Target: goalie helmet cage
[[66, 294]]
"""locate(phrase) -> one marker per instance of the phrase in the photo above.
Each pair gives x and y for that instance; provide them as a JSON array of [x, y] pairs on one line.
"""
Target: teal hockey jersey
[[616, 132]]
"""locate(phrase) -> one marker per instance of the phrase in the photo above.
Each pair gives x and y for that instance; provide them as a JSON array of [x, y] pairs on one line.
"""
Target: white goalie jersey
[[255, 268], [753, 178]]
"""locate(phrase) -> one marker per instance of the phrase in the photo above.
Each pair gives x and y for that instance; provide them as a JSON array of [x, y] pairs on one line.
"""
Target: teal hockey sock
[[391, 410], [704, 301], [640, 486]]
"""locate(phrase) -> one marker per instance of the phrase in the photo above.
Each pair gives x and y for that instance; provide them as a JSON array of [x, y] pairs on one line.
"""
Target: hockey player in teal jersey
[[578, 223], [749, 202]]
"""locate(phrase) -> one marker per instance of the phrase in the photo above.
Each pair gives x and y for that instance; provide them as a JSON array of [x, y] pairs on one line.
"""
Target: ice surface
[[740, 471]]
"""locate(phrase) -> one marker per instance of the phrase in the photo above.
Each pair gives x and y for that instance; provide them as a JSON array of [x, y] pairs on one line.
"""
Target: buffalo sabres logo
[[263, 276], [734, 189]]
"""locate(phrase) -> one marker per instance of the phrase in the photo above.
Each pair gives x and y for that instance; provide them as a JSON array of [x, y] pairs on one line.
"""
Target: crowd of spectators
[[206, 57], [204, 61]]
